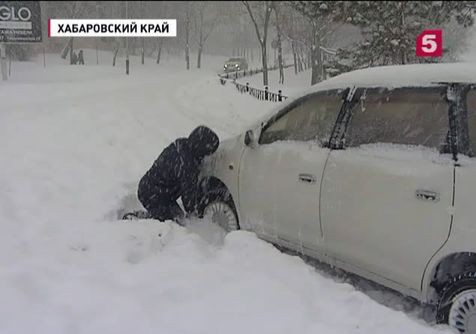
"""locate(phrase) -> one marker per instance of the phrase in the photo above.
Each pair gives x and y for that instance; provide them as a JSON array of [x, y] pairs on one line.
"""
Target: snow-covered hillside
[[75, 141]]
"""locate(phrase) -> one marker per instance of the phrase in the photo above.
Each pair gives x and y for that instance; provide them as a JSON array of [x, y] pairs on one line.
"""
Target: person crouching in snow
[[175, 174]]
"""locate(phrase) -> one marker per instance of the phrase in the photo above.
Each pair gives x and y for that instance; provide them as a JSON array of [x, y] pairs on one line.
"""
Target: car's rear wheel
[[221, 213], [457, 306]]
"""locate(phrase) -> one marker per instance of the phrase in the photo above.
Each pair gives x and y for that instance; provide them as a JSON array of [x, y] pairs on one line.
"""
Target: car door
[[462, 233], [280, 177], [386, 195]]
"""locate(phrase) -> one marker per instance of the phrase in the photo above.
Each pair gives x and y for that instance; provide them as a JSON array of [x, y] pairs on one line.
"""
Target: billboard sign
[[20, 21]]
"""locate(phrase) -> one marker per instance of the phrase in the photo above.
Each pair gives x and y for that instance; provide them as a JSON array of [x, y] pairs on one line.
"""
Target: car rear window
[[408, 116]]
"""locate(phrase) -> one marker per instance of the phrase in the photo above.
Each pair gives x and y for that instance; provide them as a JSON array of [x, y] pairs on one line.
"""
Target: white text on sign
[[112, 28]]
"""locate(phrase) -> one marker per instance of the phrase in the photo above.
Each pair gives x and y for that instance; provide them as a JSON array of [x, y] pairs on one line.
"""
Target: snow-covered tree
[[206, 18], [187, 24], [277, 24], [322, 16], [260, 14], [296, 31]]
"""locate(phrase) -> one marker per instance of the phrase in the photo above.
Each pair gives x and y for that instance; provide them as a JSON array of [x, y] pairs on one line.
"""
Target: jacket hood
[[203, 141]]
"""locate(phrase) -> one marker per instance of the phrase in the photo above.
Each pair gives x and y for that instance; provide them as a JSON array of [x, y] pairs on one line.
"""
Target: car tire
[[457, 305], [217, 204], [222, 214]]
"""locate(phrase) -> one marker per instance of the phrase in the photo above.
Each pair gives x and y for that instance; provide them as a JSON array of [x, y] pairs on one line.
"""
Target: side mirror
[[250, 139]]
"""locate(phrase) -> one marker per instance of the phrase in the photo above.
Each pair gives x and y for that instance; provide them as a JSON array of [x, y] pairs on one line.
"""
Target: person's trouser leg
[[162, 208], [158, 203], [166, 210]]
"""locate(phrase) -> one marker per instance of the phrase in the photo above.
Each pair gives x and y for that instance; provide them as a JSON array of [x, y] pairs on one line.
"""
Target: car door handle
[[307, 178], [427, 195]]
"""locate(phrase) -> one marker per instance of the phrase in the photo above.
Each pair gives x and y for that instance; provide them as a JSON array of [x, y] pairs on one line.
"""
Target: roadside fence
[[260, 94]]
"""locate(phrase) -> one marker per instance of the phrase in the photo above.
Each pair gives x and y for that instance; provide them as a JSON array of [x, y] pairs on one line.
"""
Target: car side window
[[311, 120], [408, 116]]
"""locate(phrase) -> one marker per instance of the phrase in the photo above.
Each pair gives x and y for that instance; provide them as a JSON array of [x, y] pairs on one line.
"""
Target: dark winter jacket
[[175, 172]]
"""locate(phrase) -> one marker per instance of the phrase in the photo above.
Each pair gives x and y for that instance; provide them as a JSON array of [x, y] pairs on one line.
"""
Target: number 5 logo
[[430, 43]]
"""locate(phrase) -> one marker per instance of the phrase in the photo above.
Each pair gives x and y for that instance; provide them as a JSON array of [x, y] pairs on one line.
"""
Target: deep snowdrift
[[75, 140]]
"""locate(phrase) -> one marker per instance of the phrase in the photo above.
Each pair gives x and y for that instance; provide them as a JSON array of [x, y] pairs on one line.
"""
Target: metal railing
[[260, 94]]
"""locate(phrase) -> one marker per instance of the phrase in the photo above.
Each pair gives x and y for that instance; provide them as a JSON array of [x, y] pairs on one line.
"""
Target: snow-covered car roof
[[415, 75], [401, 76]]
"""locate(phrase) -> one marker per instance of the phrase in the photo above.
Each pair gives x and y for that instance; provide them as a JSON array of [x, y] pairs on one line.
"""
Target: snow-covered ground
[[75, 141]]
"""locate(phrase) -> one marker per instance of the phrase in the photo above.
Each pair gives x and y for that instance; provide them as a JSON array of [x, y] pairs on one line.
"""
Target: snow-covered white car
[[372, 171]]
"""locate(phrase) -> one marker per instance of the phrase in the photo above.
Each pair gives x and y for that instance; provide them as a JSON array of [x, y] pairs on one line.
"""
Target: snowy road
[[74, 143]]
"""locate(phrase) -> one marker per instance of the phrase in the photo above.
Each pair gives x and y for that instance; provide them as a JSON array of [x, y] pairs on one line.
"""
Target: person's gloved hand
[[179, 216], [179, 220]]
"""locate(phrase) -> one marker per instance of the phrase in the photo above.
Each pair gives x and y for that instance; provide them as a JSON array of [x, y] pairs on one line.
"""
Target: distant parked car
[[372, 171], [235, 64]]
